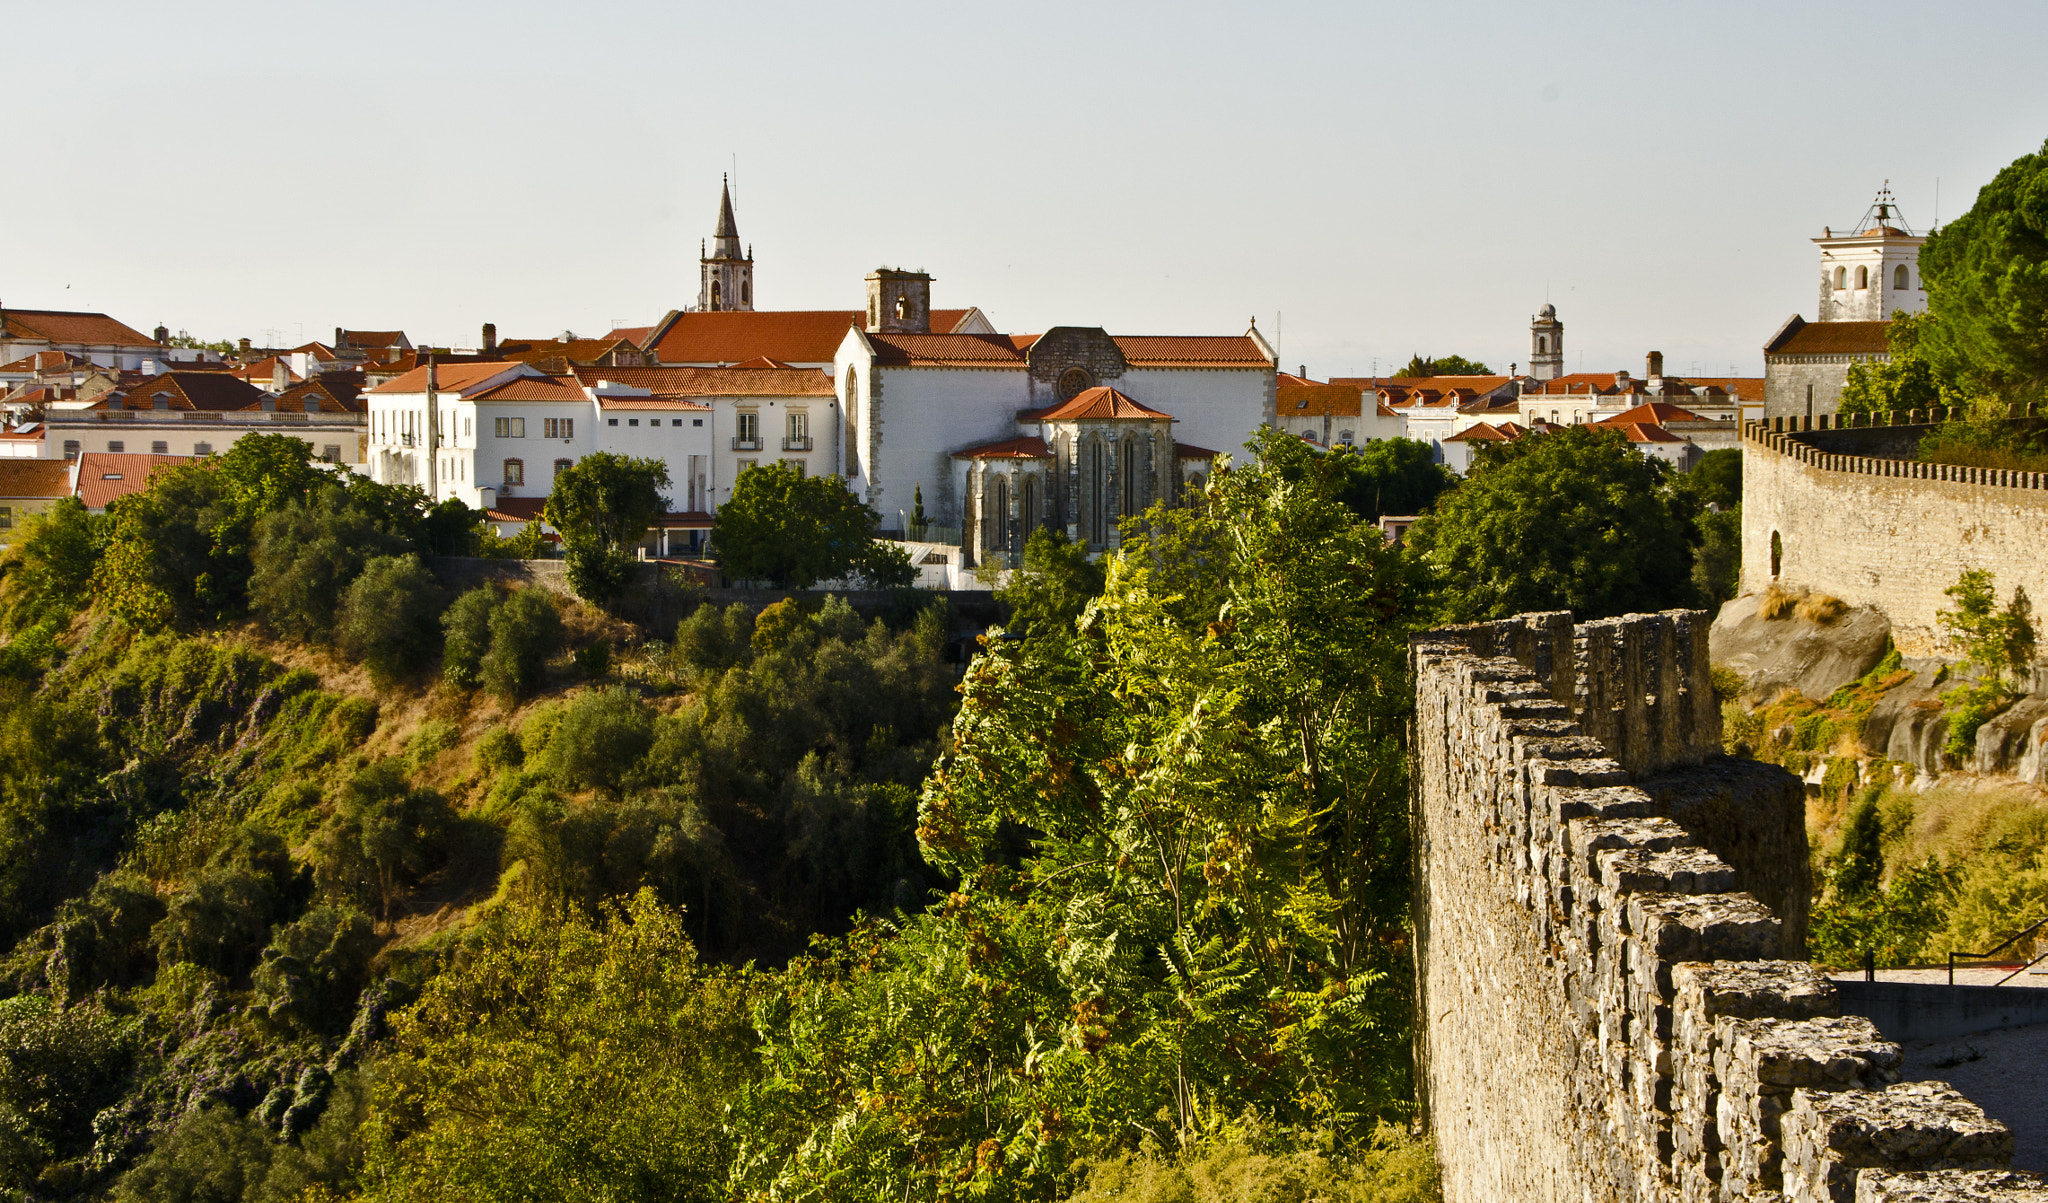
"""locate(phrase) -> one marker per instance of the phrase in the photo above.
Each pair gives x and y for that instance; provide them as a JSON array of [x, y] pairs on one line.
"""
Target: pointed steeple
[[725, 241]]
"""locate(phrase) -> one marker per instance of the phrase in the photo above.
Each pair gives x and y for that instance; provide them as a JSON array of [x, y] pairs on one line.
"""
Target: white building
[[1333, 413], [202, 413], [93, 337], [1866, 275]]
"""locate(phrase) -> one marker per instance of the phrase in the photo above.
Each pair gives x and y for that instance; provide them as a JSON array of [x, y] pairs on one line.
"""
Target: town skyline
[[1145, 177]]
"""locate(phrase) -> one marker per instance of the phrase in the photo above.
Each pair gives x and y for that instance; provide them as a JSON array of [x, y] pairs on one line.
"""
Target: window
[[6, 517], [611, 421], [202, 448], [161, 401], [749, 428], [1542, 344], [1075, 381], [794, 465], [693, 421], [468, 427], [1899, 277], [563, 465], [159, 448], [117, 446], [331, 452], [511, 428], [632, 421], [746, 464], [850, 440], [70, 448], [799, 427], [1345, 437], [1841, 277], [1862, 277], [746, 291], [715, 290], [559, 428], [515, 471]]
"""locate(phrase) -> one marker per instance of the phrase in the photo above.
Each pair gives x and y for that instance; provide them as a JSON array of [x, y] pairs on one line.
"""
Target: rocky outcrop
[[1775, 654]]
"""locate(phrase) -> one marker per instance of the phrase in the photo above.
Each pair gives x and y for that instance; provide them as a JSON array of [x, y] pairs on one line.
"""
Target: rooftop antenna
[[1937, 202]]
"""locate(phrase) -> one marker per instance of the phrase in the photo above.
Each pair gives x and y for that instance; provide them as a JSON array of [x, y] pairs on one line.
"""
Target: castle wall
[[1605, 1013], [1887, 532]]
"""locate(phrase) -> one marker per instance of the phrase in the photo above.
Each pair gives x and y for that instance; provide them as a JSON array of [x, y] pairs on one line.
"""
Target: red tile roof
[[64, 326], [1831, 338], [531, 388], [35, 478], [1487, 432], [1642, 432], [1190, 451], [449, 377], [1748, 388], [212, 392], [1654, 412], [1025, 448], [1176, 350], [575, 350], [1301, 398], [646, 403], [516, 509], [1101, 401], [104, 477], [790, 335], [946, 350], [338, 392], [738, 381]]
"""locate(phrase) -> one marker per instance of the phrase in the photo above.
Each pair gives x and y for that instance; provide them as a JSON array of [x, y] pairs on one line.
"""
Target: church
[[994, 434]]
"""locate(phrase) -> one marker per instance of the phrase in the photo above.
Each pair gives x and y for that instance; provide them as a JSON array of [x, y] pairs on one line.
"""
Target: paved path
[[2004, 1072], [1966, 975]]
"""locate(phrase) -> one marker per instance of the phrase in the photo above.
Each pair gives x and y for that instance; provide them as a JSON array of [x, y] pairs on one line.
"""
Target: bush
[[220, 919], [315, 967], [47, 574], [380, 838], [211, 1156], [601, 738], [526, 631], [306, 556], [466, 636], [1247, 1164], [711, 640], [59, 1067], [388, 620], [595, 660]]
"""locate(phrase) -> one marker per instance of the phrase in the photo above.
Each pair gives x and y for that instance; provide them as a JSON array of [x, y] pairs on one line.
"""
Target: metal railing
[[740, 443], [2001, 947], [797, 444]]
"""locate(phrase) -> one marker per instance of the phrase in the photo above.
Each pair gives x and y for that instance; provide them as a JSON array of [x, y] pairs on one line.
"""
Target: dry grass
[[1778, 602], [1821, 609]]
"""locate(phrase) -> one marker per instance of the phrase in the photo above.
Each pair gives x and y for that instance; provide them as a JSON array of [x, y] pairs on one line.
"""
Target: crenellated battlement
[[1607, 1010]]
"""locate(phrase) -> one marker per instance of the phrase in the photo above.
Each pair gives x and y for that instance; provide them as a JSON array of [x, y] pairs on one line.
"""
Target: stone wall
[[1886, 532], [1606, 1011]]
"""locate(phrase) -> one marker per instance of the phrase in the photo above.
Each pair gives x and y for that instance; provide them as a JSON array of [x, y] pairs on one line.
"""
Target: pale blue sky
[[1389, 177]]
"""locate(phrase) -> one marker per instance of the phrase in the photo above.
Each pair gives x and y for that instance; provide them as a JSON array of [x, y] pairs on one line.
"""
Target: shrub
[[526, 630], [1778, 602], [1998, 643], [1245, 1164], [713, 640], [498, 749], [466, 634], [383, 834], [601, 738], [595, 660], [305, 557], [388, 620], [315, 967], [1820, 608]]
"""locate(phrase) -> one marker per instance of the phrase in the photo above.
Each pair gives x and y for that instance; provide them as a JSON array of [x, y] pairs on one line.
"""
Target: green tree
[[602, 505], [47, 574], [1447, 365], [466, 635], [1392, 476], [1573, 520], [307, 554], [794, 530], [526, 631], [1717, 563], [59, 1067], [382, 835], [315, 967], [1986, 275], [389, 618], [1997, 643], [601, 739], [1054, 584], [1717, 478]]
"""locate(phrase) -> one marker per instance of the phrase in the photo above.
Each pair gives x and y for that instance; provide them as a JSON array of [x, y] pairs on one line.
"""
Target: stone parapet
[[1606, 1011]]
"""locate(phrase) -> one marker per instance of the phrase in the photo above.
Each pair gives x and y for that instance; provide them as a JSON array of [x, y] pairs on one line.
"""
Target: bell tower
[[728, 273], [1546, 344], [1872, 271]]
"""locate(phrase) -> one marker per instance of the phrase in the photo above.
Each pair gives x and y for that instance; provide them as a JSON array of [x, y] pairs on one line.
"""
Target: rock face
[[1606, 1012], [1792, 653]]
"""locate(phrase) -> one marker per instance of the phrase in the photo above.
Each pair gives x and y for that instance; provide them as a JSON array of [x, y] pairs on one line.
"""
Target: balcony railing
[[743, 443], [797, 444]]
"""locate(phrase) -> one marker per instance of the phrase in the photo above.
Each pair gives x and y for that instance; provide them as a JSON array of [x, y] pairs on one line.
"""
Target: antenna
[[1937, 201]]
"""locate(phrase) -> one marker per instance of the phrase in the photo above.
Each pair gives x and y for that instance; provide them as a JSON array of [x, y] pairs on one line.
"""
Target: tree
[[603, 504], [1391, 476], [307, 554], [315, 967], [466, 635], [1904, 381], [1986, 275], [601, 739], [380, 838], [47, 573], [1574, 519], [794, 530], [1054, 584], [1998, 643], [389, 618], [1448, 365], [526, 630]]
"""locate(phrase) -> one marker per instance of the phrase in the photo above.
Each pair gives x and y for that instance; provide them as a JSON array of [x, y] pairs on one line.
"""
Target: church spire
[[725, 242]]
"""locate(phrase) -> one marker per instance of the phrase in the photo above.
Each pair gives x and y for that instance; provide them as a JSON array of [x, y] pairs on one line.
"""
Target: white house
[[1333, 414]]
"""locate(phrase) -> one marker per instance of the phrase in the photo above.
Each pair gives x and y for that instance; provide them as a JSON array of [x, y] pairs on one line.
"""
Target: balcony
[[746, 443], [797, 444]]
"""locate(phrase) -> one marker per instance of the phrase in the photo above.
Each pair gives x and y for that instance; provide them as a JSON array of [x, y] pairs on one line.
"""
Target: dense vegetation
[[326, 877]]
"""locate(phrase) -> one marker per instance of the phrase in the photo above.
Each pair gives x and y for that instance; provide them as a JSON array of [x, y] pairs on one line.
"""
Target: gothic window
[[1543, 344], [851, 438], [998, 524], [746, 291], [1841, 277], [1133, 496], [1098, 492], [1075, 381], [902, 308], [515, 472], [1862, 277], [1030, 503], [1899, 277]]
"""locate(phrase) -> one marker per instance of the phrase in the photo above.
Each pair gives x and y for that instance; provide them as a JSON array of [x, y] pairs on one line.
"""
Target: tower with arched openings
[[727, 271]]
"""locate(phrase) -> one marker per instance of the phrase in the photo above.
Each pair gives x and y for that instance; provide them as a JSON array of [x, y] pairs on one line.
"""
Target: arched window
[[1133, 500], [714, 294], [1841, 277], [562, 465], [1030, 511], [1862, 277], [1900, 278], [515, 471], [851, 439], [1098, 492], [1777, 555], [1542, 344], [998, 523], [746, 291]]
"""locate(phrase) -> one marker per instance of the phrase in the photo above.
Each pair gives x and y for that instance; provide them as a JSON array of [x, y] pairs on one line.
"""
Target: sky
[[1365, 180]]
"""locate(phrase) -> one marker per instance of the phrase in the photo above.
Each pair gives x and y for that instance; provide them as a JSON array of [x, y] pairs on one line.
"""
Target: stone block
[[1949, 1186], [1830, 1135], [1676, 871]]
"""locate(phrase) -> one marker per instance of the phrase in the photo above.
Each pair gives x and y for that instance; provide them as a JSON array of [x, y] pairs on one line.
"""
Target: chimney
[[244, 345], [490, 339], [1621, 378], [162, 334], [280, 376], [337, 338], [1304, 371], [1654, 363]]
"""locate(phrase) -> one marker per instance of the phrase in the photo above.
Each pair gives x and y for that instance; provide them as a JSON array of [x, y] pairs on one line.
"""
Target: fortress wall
[[1605, 1011], [1887, 532]]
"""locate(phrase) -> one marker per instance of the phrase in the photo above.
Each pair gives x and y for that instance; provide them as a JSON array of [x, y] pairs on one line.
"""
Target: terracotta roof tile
[[1101, 401], [1654, 412], [449, 377], [1171, 350], [1832, 338], [790, 335], [516, 509], [1190, 451], [1311, 400], [1024, 448], [531, 388], [652, 403], [64, 326], [35, 478], [946, 350], [104, 477], [575, 350], [717, 382]]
